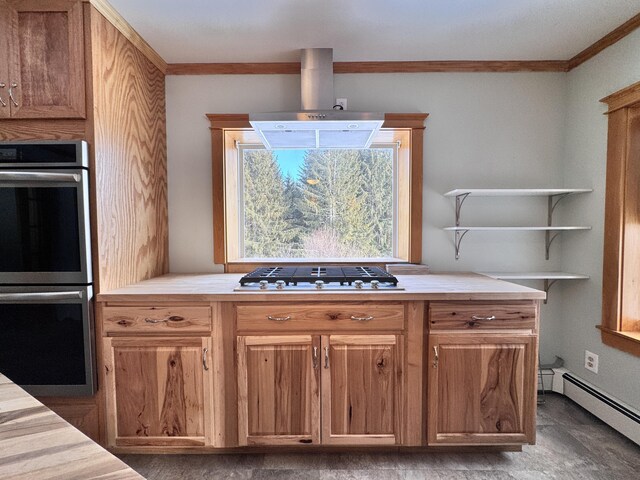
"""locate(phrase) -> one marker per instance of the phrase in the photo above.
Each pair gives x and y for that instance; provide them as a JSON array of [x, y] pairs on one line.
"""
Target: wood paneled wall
[[130, 159]]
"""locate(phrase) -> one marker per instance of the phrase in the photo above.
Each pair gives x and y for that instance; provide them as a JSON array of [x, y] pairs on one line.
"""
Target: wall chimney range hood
[[318, 125]]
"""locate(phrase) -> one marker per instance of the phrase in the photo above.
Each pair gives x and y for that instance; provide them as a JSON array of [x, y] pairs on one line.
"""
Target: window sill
[[243, 265], [626, 341]]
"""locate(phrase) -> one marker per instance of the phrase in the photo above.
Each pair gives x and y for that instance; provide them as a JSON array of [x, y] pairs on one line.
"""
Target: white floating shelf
[[535, 275], [549, 278], [460, 232], [515, 192], [543, 229]]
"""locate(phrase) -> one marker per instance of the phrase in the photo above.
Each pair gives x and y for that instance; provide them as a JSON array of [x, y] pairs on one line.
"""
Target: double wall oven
[[46, 324]]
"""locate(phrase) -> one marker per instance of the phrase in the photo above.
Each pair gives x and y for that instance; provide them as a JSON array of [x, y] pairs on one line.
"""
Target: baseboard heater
[[608, 409]]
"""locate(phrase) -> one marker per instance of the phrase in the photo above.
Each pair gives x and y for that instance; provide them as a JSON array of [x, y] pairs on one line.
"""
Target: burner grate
[[310, 274]]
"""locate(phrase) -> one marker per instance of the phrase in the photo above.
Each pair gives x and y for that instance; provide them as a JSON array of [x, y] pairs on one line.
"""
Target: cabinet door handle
[[13, 100], [2, 102], [173, 318], [436, 358], [204, 358], [326, 357], [278, 319], [361, 319], [315, 357]]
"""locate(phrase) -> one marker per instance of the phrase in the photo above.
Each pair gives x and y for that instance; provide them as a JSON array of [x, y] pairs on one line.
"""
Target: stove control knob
[[358, 284], [375, 284], [319, 284], [264, 284], [280, 284]]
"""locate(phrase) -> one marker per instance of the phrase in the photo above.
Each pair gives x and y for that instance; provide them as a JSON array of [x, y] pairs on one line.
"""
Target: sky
[[290, 161]]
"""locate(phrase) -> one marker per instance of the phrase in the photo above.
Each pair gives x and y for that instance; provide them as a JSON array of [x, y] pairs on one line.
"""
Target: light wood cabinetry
[[158, 391], [278, 390], [482, 385], [42, 59], [256, 374], [158, 375], [321, 388], [362, 389]]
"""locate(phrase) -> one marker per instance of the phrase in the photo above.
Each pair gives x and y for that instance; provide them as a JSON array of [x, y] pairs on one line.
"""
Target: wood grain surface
[[320, 317], [47, 59], [118, 21], [158, 390], [219, 287], [481, 389], [278, 390], [362, 389], [130, 159], [35, 443], [480, 316], [156, 320]]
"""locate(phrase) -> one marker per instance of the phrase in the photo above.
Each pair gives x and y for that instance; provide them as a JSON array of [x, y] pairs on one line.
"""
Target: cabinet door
[[158, 391], [278, 390], [5, 26], [46, 59], [482, 389], [362, 389]]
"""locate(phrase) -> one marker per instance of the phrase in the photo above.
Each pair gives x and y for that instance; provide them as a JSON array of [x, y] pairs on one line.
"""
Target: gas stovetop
[[318, 278]]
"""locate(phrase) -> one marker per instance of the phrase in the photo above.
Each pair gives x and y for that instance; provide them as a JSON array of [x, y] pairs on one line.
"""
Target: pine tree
[[265, 208]]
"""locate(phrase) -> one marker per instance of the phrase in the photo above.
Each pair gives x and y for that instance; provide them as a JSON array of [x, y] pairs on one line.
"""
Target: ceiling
[[229, 31]]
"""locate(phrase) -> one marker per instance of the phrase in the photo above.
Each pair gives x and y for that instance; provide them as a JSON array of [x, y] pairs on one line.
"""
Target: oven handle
[[13, 297], [13, 176]]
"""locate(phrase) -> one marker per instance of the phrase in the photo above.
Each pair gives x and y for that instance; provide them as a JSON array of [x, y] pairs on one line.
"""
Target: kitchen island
[[189, 364], [36, 444]]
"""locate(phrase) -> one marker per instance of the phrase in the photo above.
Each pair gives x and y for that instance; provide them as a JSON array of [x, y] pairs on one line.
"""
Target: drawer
[[323, 317], [479, 316], [156, 319]]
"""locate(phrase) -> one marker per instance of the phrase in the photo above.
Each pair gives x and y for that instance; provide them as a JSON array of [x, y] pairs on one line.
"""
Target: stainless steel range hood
[[318, 125]]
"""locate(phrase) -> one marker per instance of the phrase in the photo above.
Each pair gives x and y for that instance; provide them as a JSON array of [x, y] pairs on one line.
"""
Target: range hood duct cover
[[318, 125]]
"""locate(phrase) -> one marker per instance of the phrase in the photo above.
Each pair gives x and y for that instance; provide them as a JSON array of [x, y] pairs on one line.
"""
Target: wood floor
[[571, 444]]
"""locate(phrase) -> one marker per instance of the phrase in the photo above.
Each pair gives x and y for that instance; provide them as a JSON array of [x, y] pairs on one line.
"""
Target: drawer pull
[[174, 318], [315, 358], [361, 319], [478, 318], [279, 319], [435, 357], [326, 357]]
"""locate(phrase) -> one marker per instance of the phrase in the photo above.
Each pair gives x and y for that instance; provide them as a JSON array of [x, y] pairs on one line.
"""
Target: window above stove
[[323, 206]]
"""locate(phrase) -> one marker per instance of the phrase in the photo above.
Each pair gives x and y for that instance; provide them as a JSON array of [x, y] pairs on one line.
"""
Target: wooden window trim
[[620, 327], [223, 123]]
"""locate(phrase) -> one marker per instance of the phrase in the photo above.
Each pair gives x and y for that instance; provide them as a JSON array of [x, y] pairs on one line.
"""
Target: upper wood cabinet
[[158, 391], [42, 59]]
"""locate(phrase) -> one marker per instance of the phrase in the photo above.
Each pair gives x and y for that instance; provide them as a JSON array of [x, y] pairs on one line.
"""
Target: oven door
[[45, 229], [46, 339]]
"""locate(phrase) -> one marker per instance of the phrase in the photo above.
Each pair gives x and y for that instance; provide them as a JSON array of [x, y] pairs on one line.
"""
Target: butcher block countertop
[[219, 287], [36, 444]]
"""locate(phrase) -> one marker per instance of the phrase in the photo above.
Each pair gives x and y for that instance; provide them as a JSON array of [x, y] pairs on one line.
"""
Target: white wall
[[484, 130], [585, 165]]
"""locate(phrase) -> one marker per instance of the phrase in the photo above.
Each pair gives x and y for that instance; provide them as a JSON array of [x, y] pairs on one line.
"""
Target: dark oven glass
[[45, 229], [40, 229], [45, 344]]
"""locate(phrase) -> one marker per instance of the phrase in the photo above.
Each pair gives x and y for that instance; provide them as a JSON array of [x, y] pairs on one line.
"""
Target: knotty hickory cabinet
[[203, 376]]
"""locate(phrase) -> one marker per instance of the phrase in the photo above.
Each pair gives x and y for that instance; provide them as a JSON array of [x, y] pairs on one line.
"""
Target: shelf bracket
[[459, 236], [459, 201], [548, 283], [548, 239], [552, 203]]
